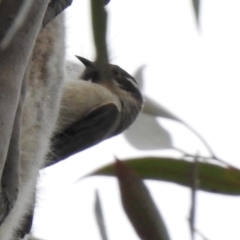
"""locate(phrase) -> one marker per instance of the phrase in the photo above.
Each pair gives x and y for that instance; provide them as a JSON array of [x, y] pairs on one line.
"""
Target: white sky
[[195, 75]]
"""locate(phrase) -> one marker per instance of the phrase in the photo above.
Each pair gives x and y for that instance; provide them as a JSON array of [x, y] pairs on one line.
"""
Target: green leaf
[[100, 218], [139, 206], [212, 178]]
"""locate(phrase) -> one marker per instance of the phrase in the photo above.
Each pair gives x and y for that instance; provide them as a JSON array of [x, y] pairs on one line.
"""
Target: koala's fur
[[44, 90]]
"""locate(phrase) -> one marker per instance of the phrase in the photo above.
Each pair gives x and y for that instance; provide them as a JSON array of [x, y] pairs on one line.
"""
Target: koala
[[40, 111]]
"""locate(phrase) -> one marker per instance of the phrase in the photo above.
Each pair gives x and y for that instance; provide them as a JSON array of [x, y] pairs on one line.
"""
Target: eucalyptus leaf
[[196, 7], [212, 178], [157, 110], [100, 217], [147, 134], [139, 205], [138, 75]]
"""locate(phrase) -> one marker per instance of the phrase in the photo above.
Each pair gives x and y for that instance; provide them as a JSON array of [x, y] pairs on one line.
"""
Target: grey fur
[[44, 90]]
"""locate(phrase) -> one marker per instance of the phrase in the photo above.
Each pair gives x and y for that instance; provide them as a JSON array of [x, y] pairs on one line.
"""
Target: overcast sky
[[195, 74]]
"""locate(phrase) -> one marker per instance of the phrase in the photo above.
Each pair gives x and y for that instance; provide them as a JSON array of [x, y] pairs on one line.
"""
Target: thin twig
[[228, 165], [201, 235], [194, 188], [99, 26], [213, 156]]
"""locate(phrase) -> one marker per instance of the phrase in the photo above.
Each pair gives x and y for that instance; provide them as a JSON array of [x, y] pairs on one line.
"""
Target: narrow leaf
[[138, 75], [157, 110], [139, 206], [212, 178], [196, 7], [100, 218]]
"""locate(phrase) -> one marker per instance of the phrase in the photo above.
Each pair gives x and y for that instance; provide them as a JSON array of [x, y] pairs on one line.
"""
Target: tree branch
[[99, 26]]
